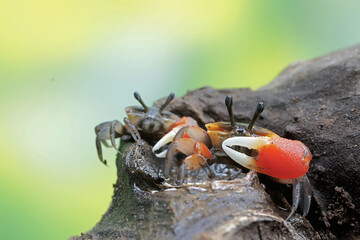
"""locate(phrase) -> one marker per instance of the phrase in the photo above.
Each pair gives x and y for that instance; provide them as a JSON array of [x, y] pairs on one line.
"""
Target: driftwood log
[[316, 102]]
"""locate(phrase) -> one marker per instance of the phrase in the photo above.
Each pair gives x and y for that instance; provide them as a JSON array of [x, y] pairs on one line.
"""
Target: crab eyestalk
[[228, 103], [137, 97], [258, 111], [168, 100]]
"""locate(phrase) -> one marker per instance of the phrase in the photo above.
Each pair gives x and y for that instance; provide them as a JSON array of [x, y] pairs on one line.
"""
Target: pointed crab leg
[[301, 196], [197, 153], [183, 145], [98, 140], [116, 128], [295, 198], [132, 130], [305, 196], [107, 131], [198, 159]]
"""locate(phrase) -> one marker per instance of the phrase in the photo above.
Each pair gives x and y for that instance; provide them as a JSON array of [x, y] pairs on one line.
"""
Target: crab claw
[[276, 157], [190, 140], [180, 123], [197, 153], [165, 140]]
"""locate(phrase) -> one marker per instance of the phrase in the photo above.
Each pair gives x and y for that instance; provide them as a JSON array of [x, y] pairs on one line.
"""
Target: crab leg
[[132, 130], [98, 146], [101, 136], [301, 196], [184, 145], [98, 128], [169, 159], [295, 198], [195, 134], [107, 131], [181, 174], [193, 162], [116, 130], [305, 196], [197, 153]]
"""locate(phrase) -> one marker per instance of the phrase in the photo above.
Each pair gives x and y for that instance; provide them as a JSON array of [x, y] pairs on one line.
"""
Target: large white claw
[[248, 142], [165, 140]]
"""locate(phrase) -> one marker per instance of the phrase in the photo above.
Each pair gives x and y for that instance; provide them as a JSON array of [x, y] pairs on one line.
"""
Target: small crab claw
[[165, 140], [180, 123], [197, 153], [277, 157]]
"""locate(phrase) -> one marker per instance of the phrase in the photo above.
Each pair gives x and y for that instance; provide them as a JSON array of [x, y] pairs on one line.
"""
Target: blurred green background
[[66, 66]]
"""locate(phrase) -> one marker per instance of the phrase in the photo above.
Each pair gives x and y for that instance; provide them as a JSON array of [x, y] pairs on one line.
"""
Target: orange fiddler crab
[[258, 149], [149, 122]]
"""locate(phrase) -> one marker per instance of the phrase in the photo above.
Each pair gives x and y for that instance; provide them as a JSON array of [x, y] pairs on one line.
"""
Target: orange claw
[[201, 148], [198, 159], [284, 159], [197, 152], [277, 157], [194, 162]]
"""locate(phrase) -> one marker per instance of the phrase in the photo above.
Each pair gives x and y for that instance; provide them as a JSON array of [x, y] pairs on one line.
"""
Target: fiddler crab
[[148, 122], [257, 149]]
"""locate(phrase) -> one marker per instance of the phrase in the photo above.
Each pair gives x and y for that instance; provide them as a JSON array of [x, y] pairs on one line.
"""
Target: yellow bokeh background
[[66, 66]]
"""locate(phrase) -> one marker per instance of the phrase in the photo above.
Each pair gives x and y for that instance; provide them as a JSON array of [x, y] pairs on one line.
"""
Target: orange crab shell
[[283, 158]]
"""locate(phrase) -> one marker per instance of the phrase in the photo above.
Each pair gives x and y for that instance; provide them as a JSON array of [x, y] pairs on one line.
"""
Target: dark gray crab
[[147, 122]]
